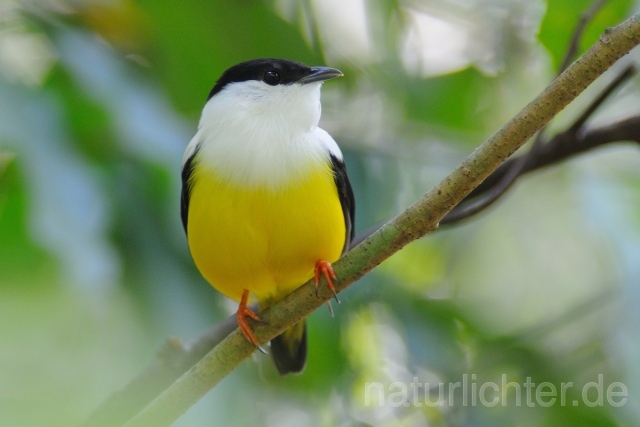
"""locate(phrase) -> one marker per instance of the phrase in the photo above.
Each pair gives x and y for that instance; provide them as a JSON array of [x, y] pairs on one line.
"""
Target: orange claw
[[242, 314], [324, 268]]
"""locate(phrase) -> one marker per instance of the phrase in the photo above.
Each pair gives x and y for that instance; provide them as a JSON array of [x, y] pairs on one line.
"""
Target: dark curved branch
[[572, 142], [561, 147], [566, 145]]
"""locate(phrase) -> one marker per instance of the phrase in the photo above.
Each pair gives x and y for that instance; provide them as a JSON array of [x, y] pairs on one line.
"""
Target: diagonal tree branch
[[566, 145], [420, 218]]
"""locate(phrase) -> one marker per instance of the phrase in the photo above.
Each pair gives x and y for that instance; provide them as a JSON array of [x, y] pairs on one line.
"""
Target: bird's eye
[[271, 77]]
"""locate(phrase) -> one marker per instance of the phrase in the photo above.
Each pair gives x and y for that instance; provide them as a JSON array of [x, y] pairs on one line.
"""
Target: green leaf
[[562, 18], [195, 42]]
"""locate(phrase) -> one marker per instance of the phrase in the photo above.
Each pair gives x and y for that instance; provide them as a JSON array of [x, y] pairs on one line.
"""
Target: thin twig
[[574, 44], [316, 37], [475, 205], [629, 71]]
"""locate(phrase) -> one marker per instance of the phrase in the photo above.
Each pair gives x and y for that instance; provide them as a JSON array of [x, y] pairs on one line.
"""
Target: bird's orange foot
[[324, 268], [242, 314]]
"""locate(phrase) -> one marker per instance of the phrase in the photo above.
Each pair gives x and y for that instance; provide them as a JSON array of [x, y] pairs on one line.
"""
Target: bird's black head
[[273, 72]]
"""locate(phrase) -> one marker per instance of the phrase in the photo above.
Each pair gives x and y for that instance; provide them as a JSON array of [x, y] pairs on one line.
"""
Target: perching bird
[[266, 202]]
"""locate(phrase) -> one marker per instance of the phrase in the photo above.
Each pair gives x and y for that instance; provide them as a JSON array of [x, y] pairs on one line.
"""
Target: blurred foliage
[[98, 100], [555, 33]]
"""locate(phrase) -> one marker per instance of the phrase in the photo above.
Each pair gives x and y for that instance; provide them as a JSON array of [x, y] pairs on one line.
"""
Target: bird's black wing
[[187, 170], [347, 201]]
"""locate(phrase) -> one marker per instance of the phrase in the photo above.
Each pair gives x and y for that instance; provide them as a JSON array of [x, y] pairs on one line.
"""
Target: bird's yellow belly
[[261, 239]]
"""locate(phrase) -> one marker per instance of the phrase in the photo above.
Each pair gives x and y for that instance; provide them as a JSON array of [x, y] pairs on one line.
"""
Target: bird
[[266, 202]]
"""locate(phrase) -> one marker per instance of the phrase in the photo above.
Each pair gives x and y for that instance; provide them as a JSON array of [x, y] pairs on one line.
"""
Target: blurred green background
[[98, 99]]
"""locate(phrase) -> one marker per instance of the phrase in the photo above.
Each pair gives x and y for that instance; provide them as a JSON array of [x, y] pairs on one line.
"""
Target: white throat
[[254, 134]]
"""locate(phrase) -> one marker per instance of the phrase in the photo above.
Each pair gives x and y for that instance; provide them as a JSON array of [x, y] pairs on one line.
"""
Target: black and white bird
[[266, 202]]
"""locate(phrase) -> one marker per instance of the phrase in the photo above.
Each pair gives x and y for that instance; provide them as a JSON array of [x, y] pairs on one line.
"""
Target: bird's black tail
[[289, 349]]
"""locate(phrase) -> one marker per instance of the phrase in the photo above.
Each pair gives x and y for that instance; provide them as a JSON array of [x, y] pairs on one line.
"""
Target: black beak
[[320, 74]]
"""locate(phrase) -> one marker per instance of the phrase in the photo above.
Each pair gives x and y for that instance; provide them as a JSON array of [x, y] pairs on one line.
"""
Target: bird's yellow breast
[[263, 239]]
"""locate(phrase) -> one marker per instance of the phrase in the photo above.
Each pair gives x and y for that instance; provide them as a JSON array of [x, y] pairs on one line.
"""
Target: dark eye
[[271, 77]]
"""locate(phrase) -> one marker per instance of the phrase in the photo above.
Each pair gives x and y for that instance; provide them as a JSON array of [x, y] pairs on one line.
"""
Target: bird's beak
[[320, 74]]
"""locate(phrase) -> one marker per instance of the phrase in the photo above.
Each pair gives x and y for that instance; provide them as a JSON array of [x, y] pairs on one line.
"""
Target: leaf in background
[[193, 42], [563, 16], [450, 100], [121, 22], [21, 261]]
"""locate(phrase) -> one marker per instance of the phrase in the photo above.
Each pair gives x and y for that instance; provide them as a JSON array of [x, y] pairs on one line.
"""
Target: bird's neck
[[255, 153], [252, 139]]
